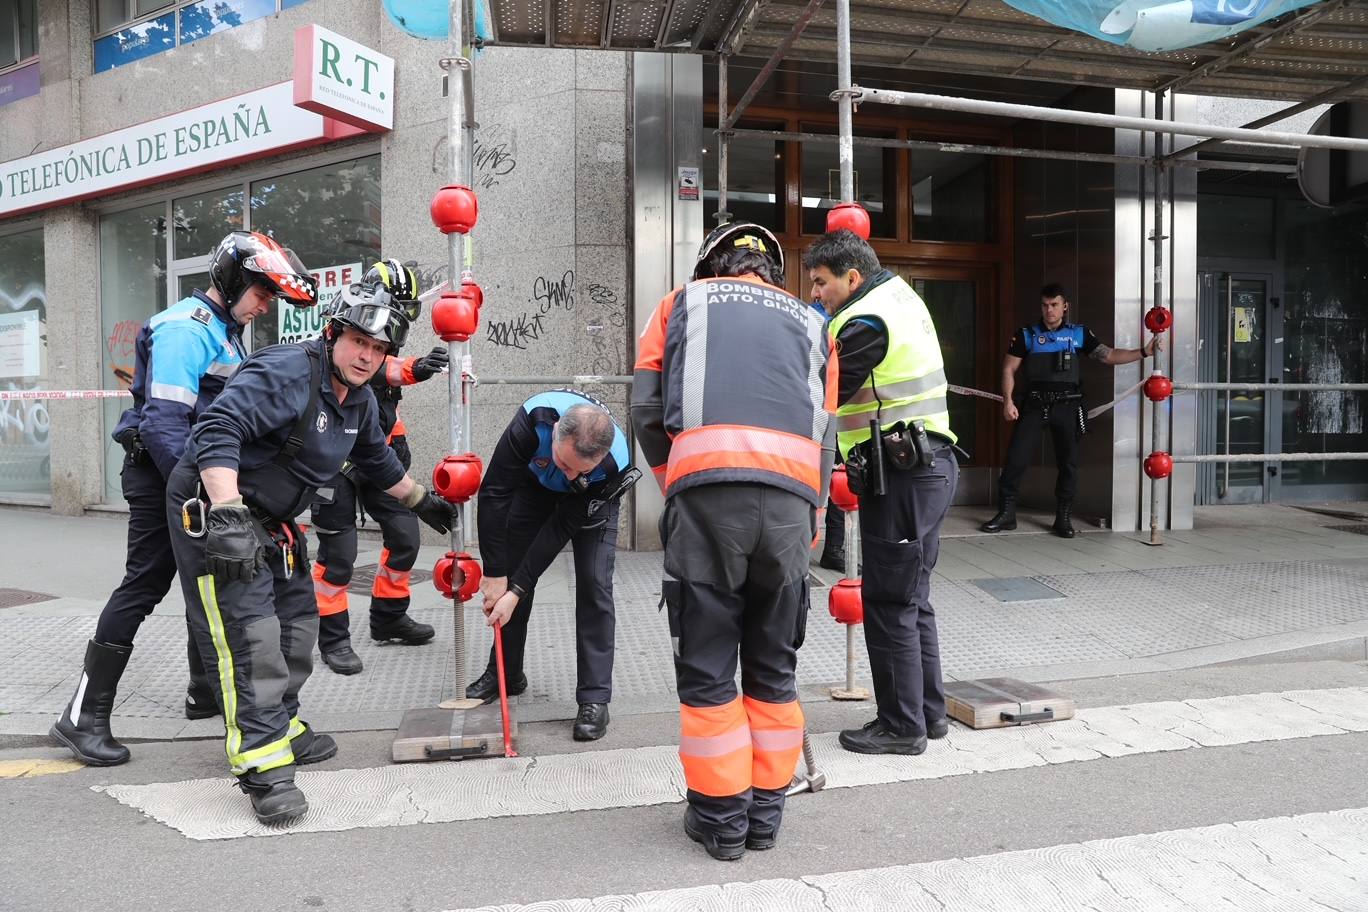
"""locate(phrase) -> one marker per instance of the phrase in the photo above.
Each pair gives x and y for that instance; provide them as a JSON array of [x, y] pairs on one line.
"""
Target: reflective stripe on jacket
[[909, 383]]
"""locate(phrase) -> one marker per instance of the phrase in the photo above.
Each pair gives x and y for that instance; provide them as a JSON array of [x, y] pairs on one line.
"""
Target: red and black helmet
[[244, 258]]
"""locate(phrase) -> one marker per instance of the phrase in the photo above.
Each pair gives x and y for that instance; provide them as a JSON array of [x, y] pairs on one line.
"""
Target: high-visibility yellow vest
[[909, 383]]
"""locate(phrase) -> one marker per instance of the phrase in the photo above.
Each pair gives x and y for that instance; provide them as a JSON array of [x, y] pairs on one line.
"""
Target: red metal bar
[[503, 691]]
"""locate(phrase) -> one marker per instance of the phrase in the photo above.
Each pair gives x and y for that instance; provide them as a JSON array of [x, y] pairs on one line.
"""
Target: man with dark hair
[[894, 432], [731, 407], [1051, 397], [557, 475]]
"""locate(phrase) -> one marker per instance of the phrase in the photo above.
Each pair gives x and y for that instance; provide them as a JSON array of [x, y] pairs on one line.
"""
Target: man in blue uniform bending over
[[556, 476]]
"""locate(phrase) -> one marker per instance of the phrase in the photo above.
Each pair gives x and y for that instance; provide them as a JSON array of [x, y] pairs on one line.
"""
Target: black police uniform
[[1050, 397], [257, 637], [528, 510]]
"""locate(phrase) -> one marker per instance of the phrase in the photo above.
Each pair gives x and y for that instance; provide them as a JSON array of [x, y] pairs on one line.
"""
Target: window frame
[[20, 61], [176, 6]]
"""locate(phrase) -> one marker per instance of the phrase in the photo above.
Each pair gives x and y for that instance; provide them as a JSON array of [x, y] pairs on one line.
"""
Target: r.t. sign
[[337, 77]]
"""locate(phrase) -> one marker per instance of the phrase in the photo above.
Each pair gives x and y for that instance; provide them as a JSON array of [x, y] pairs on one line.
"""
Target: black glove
[[431, 509], [434, 362], [232, 550]]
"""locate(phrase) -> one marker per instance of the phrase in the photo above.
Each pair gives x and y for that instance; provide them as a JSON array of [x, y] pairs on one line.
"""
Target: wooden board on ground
[[1000, 702]]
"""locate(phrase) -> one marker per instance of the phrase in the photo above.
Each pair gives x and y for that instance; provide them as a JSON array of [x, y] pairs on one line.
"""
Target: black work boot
[[199, 701], [833, 559], [404, 629], [1063, 524], [592, 722], [877, 738], [84, 724], [938, 728], [486, 686], [723, 848], [311, 747], [342, 659], [1005, 520], [275, 797]]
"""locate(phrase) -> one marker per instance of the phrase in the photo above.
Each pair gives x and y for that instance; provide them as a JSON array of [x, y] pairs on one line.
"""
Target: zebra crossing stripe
[[526, 786], [1311, 861]]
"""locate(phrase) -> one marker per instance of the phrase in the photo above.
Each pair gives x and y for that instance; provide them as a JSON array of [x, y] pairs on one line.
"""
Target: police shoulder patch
[[201, 315]]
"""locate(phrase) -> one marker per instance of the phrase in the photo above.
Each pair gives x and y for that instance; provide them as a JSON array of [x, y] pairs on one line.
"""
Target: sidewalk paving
[[1247, 581]]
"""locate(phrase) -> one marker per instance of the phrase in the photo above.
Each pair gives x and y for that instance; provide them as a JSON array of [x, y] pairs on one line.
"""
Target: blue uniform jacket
[[248, 424], [523, 457], [184, 356]]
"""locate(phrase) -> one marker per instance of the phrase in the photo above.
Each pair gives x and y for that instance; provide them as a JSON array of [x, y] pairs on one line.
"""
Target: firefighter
[[1051, 396], [730, 406], [197, 344], [557, 475], [284, 425], [333, 515], [891, 376]]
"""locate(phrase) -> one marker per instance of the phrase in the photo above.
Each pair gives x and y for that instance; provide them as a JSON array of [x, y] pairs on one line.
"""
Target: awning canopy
[[1319, 50]]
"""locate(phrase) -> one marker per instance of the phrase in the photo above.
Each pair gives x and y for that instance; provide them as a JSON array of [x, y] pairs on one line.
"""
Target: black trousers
[[1062, 420], [900, 540], [595, 620], [149, 568], [334, 520]]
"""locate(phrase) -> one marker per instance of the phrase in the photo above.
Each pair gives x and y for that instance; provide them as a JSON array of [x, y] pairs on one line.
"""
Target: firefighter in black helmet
[[334, 512], [284, 425]]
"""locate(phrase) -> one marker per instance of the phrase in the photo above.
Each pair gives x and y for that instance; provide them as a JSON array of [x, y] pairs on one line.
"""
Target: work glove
[[431, 509], [232, 550], [434, 362]]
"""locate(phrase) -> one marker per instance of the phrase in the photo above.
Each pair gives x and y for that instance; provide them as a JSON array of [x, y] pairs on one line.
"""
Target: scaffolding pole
[[1156, 410], [723, 141], [845, 102]]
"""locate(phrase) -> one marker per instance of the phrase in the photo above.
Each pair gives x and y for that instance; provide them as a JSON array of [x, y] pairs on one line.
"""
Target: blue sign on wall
[[199, 20], [136, 42]]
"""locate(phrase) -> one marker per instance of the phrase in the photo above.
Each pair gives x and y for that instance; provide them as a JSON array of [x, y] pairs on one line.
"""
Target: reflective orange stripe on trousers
[[390, 583], [332, 599], [715, 748], [776, 741]]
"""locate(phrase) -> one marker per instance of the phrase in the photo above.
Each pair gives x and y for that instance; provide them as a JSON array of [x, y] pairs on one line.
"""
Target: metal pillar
[[723, 141], [845, 102], [1158, 236]]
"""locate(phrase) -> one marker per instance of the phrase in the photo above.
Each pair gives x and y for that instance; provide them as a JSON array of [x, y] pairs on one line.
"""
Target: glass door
[[1240, 330]]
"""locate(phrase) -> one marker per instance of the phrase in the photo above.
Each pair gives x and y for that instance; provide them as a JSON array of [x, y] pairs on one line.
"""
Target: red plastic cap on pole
[[456, 315], [471, 290], [1158, 387], [851, 216], [841, 495], [845, 602], [1158, 465], [455, 209], [457, 574], [1158, 319], [457, 478]]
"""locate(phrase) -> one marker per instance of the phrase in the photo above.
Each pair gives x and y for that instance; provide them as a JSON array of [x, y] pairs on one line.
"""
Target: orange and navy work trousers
[[334, 519], [735, 585]]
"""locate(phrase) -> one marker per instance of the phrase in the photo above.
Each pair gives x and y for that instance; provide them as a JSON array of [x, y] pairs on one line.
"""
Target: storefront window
[[132, 289], [24, 424], [202, 221], [875, 180], [950, 196], [1325, 325], [1235, 226], [755, 180], [330, 217]]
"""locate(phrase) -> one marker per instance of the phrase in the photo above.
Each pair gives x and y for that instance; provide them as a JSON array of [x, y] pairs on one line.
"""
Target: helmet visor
[[282, 272], [378, 321]]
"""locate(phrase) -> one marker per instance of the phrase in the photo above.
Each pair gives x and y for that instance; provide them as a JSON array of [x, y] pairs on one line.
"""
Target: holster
[[133, 446]]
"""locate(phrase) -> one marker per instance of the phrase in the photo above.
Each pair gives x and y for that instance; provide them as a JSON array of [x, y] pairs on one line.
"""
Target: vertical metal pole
[[845, 109], [1155, 410], [458, 160], [852, 571], [1229, 360], [723, 141]]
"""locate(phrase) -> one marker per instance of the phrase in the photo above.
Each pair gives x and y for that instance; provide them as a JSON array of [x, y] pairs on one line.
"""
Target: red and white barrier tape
[[969, 391], [7, 395]]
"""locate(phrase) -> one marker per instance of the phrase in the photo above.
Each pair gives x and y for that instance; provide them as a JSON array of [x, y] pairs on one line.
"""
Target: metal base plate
[[1000, 702], [858, 693], [445, 734]]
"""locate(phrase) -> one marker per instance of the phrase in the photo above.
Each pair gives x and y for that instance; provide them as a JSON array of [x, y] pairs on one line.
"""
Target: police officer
[[197, 344], [557, 475], [892, 378], [334, 513], [1052, 397], [730, 405], [284, 425], [833, 542]]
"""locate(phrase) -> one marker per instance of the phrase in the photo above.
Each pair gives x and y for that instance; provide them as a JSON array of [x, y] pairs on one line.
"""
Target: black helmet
[[739, 234], [402, 281], [370, 309], [245, 258]]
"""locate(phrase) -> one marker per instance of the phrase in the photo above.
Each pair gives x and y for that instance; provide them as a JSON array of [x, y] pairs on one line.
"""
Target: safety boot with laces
[[1063, 524]]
